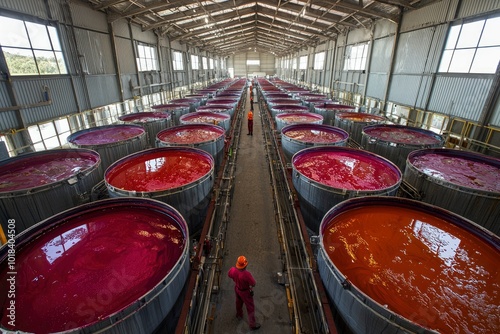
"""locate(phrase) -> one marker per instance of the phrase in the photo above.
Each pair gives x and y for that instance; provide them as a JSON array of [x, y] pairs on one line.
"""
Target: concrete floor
[[252, 232]]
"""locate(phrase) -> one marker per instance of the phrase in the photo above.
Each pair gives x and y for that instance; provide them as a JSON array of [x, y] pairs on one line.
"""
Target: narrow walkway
[[252, 232]]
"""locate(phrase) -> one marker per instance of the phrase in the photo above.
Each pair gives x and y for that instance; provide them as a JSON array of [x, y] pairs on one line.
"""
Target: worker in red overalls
[[250, 123], [244, 282]]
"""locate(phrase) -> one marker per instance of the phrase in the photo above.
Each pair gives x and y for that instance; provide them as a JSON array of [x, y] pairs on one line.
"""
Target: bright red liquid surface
[[190, 135], [91, 267], [403, 135], [314, 136], [44, 169], [159, 170], [459, 170], [347, 170], [100, 136], [423, 268]]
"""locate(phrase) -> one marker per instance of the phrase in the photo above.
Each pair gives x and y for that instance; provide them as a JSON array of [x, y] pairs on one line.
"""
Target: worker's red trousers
[[244, 296], [250, 126]]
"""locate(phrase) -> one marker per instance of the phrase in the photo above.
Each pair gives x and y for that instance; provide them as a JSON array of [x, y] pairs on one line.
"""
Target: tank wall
[[481, 209], [32, 208]]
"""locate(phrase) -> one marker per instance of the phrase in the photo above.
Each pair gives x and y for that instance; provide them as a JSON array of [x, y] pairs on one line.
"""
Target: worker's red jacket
[[243, 279]]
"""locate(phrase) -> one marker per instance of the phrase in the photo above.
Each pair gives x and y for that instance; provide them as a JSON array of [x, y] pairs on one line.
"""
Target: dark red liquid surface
[[460, 171], [347, 170], [44, 169], [159, 170], [100, 136], [91, 267], [402, 135], [145, 117], [421, 267]]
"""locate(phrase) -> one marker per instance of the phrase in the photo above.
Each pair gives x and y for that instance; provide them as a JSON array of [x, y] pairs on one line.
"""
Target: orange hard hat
[[242, 262]]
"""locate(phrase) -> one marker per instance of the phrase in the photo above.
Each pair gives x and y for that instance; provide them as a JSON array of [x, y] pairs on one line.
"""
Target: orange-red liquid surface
[[359, 117], [159, 170], [421, 267], [89, 268]]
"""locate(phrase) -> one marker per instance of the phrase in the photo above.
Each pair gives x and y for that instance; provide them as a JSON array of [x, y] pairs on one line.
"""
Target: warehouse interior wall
[[400, 77]]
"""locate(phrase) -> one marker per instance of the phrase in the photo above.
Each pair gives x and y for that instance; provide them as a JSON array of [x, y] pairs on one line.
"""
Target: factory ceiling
[[280, 27]]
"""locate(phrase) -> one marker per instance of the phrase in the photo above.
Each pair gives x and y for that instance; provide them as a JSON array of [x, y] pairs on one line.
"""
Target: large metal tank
[[288, 108], [223, 108], [221, 119], [272, 102], [202, 97], [354, 122], [176, 110], [466, 183], [325, 176], [180, 176], [35, 186], [112, 142], [284, 119], [395, 142], [297, 137], [209, 138], [152, 122], [224, 101], [393, 265], [329, 110], [193, 102], [115, 266]]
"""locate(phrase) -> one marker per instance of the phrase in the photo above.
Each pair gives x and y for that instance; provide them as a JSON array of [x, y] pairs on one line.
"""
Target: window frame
[[195, 62], [303, 60], [145, 63], [354, 60], [319, 64], [177, 61], [39, 42], [461, 44]]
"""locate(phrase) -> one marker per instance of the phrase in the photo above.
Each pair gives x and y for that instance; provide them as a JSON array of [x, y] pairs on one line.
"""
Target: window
[[355, 57], [146, 58], [204, 62], [31, 48], [177, 61], [319, 60], [195, 62], [294, 63], [253, 62], [211, 63], [303, 63], [472, 47]]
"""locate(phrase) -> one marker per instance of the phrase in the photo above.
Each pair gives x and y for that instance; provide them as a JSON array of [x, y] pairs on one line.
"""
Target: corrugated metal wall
[[30, 91], [459, 96], [379, 67], [85, 17]]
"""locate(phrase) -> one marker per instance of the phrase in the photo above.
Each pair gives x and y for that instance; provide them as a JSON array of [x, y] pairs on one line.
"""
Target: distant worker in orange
[[244, 282], [250, 123]]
